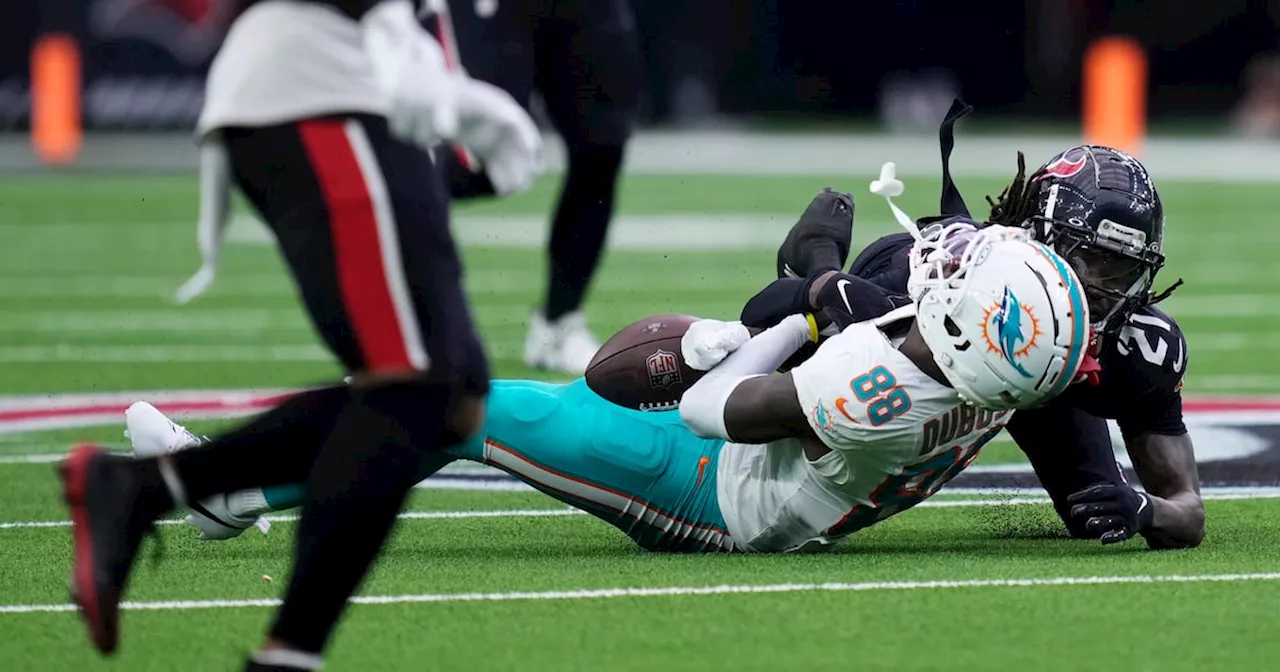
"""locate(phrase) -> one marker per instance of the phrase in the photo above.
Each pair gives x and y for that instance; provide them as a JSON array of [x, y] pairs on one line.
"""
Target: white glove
[[494, 127], [708, 342], [409, 66]]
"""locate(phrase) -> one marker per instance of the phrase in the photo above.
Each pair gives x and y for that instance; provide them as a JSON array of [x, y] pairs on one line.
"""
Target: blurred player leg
[[391, 294], [584, 58], [643, 473], [588, 71], [388, 301]]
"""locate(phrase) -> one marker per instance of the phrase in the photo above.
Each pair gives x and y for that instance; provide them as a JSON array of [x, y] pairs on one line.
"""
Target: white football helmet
[[1005, 316]]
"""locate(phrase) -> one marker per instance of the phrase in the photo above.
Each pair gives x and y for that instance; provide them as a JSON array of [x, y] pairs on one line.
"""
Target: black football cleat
[[820, 240], [107, 529]]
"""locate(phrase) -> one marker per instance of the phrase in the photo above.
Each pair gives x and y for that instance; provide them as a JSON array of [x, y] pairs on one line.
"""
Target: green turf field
[[482, 580]]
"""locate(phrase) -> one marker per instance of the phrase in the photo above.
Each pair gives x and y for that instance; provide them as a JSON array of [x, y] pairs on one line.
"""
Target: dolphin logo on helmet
[[1009, 333]]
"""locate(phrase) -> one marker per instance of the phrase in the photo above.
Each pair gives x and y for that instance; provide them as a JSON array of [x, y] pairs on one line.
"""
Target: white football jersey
[[896, 436], [285, 60]]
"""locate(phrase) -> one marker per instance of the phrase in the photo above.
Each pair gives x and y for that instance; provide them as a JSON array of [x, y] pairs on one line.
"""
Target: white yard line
[[1228, 494], [37, 354], [729, 151], [407, 515], [51, 285], [684, 591], [161, 354], [1233, 382]]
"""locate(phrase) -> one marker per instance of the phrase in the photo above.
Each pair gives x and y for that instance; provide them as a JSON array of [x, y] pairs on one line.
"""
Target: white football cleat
[[218, 517], [564, 345], [152, 433]]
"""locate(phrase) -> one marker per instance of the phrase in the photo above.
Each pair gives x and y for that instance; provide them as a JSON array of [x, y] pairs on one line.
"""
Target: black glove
[[820, 240], [1114, 512], [849, 294]]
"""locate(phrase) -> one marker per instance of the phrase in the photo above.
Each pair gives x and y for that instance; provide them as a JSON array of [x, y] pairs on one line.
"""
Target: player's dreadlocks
[[1017, 204]]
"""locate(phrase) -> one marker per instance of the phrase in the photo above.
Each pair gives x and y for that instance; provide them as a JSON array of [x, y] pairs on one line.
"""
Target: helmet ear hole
[[951, 326]]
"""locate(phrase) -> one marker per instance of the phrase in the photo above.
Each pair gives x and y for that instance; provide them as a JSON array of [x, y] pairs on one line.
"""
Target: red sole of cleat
[[84, 593]]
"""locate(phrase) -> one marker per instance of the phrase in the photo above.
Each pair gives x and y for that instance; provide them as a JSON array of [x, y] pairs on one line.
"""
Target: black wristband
[[860, 299]]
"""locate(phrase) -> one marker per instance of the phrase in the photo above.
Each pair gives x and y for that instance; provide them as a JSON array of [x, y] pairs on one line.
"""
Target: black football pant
[[362, 221], [583, 58]]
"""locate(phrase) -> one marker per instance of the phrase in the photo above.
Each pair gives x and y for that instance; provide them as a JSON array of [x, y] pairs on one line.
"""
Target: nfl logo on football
[[664, 369]]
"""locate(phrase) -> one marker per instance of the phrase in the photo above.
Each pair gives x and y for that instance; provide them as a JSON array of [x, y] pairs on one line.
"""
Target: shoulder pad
[[1149, 350]]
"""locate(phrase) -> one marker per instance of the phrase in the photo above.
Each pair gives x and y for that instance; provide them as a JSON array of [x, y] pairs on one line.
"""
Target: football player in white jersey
[[884, 414], [323, 113]]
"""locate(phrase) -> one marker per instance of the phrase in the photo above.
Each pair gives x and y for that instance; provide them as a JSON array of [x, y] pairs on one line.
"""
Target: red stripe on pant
[[362, 278], [452, 61]]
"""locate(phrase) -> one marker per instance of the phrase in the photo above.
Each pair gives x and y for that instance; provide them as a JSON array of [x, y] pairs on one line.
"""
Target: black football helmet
[[1099, 209]]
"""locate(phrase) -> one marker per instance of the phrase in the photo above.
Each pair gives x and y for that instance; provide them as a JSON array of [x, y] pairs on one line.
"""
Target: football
[[641, 366]]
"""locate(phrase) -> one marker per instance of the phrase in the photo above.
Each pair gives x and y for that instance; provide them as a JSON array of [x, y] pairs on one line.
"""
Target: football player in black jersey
[[323, 112], [582, 57], [1099, 208]]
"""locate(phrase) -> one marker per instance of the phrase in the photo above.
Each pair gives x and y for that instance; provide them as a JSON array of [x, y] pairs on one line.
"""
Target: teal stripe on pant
[[644, 473]]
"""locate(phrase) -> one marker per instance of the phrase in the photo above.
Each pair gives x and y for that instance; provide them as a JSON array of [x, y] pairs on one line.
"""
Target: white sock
[[289, 658]]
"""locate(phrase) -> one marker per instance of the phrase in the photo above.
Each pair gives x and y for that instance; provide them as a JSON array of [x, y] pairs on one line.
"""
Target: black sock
[[275, 448], [356, 486], [581, 225]]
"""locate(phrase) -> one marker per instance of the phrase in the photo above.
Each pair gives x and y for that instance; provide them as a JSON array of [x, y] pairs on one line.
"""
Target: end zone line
[[678, 591], [551, 513]]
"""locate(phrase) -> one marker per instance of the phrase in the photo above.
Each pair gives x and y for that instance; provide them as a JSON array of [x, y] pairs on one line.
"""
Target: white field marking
[[674, 232], [161, 354], [1235, 494], [479, 280], [52, 285], [255, 322], [407, 515], [680, 591], [748, 151], [35, 458], [1234, 382], [1238, 273], [1230, 341], [156, 321], [1222, 305]]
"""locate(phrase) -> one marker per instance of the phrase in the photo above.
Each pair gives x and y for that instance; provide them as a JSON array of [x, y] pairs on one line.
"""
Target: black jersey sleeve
[[1151, 352], [845, 294]]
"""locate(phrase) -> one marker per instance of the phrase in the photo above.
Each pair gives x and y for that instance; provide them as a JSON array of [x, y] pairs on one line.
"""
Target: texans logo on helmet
[[1064, 167]]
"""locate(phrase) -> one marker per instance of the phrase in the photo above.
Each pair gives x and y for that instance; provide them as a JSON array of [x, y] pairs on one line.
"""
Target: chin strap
[[1157, 298]]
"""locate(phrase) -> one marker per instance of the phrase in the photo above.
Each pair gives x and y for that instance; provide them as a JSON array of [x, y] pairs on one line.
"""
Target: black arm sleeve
[[1069, 449], [1157, 412], [782, 297], [848, 295]]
